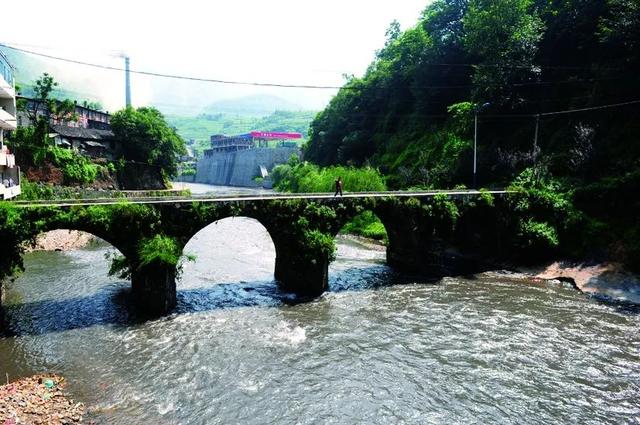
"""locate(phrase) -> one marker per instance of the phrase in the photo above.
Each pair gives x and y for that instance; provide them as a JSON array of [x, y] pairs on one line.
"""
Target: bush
[[367, 225], [305, 177], [32, 191], [537, 240], [162, 250], [75, 168]]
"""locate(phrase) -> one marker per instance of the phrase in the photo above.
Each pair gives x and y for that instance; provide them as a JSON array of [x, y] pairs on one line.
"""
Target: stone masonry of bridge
[[422, 234]]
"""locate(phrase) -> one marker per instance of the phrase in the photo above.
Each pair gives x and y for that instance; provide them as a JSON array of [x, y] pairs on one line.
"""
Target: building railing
[[5, 69]]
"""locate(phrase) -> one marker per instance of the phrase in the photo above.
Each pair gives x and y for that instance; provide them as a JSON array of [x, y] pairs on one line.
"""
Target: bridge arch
[[408, 234], [371, 222], [63, 238], [230, 249], [68, 289], [126, 249]]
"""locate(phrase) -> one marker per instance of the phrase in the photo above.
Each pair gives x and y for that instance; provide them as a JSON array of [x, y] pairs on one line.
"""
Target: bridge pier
[[154, 289], [412, 243], [414, 256], [301, 276]]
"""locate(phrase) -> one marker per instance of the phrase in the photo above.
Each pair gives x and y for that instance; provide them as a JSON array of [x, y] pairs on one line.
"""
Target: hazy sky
[[280, 41]]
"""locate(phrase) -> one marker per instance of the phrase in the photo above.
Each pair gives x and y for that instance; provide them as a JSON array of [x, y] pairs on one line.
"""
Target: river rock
[[608, 279]]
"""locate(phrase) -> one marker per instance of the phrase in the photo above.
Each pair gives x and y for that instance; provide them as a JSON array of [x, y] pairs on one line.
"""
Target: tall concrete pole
[[535, 137], [478, 108], [127, 82], [475, 146]]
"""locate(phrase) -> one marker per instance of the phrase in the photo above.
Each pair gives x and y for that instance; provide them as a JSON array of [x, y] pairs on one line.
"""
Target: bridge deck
[[260, 197]]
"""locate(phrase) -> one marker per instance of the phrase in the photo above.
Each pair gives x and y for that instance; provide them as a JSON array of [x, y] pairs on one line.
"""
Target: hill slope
[[255, 105]]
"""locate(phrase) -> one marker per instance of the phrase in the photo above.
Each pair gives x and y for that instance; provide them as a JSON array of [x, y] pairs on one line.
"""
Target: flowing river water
[[378, 348]]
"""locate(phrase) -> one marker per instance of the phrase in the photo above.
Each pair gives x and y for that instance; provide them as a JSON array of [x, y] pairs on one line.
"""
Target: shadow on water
[[621, 306], [113, 305]]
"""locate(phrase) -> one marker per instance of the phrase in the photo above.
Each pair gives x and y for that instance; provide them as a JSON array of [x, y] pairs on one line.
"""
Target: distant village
[[236, 160]]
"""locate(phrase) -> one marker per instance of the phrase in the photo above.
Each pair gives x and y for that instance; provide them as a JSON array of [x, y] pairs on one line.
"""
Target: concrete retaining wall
[[240, 168]]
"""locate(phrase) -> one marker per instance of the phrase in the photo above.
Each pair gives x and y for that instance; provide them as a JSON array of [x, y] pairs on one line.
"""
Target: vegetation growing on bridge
[[523, 226]]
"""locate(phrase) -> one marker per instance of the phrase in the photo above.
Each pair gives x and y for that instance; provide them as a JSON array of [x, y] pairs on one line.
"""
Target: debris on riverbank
[[38, 399], [608, 279], [62, 240]]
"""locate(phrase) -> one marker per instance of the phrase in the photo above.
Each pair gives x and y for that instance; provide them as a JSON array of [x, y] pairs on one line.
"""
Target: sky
[[276, 41]]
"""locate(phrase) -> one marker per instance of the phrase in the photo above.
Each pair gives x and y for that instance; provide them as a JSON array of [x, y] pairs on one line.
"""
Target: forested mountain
[[411, 114]]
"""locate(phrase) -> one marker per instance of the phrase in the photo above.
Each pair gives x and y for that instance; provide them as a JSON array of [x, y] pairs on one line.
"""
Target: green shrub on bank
[[537, 238], [32, 191], [367, 225], [75, 167], [305, 177], [545, 215]]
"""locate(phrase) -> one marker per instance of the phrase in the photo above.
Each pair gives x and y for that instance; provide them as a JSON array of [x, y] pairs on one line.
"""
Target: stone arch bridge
[[422, 228]]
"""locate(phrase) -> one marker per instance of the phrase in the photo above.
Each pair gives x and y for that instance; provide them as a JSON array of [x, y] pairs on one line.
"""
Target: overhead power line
[[179, 77], [435, 64], [212, 80], [566, 111], [300, 86], [592, 108]]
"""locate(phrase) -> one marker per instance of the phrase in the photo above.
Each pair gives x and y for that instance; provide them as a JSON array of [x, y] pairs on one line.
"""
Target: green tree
[[503, 36], [146, 137], [42, 111]]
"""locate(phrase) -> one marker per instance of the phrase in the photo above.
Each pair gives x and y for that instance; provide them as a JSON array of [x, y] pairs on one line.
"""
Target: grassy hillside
[[254, 105]]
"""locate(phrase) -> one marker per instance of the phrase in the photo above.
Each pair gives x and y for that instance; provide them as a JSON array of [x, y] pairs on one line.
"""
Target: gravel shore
[[38, 399]]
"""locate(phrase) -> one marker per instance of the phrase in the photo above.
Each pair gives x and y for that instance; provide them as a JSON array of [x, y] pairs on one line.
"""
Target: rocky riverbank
[[606, 279], [38, 399], [62, 240]]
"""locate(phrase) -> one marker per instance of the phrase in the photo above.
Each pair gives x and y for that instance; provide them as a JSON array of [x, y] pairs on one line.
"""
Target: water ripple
[[379, 348]]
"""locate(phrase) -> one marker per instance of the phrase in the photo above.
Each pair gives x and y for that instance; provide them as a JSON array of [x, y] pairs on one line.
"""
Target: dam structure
[[240, 160]]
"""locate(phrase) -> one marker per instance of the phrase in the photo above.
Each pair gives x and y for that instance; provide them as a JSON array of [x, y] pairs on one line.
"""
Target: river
[[379, 348]]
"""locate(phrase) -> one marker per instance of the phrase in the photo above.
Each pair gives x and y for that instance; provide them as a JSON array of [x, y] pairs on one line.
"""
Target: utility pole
[[535, 149], [475, 146], [535, 137], [127, 82], [475, 140]]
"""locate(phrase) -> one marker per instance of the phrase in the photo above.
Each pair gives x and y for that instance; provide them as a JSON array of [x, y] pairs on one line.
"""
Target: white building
[[9, 172]]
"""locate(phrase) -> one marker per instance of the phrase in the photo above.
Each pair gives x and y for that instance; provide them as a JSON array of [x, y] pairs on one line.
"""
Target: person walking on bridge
[[338, 187]]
